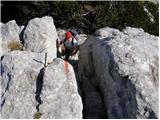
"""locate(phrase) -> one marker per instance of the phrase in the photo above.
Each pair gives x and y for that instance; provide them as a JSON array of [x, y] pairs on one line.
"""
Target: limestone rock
[[9, 36], [81, 38], [10, 31], [28, 90], [19, 78], [118, 74], [22, 27], [61, 34], [40, 36], [60, 93]]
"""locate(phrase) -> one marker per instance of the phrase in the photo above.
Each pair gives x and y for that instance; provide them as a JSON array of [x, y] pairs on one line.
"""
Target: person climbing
[[70, 44]]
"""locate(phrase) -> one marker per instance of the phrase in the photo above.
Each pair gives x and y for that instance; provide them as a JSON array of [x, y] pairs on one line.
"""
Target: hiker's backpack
[[74, 33], [71, 41]]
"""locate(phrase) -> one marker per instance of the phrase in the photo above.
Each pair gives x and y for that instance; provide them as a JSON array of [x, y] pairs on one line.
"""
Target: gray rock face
[[9, 34], [81, 38], [40, 36], [19, 78], [61, 34], [60, 93], [10, 31], [118, 74], [26, 89]]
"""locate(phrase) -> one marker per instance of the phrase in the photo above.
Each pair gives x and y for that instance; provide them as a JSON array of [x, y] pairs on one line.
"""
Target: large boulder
[[19, 71], [118, 74], [31, 91], [10, 31], [10, 39], [60, 93], [40, 36]]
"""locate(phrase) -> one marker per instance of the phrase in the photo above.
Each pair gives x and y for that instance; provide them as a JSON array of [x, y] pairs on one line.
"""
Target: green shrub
[[116, 14]]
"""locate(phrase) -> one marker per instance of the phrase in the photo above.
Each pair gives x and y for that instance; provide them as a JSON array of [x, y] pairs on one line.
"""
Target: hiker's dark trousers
[[67, 53]]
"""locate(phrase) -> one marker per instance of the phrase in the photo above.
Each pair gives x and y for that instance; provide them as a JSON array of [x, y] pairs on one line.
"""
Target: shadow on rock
[[39, 87], [74, 63]]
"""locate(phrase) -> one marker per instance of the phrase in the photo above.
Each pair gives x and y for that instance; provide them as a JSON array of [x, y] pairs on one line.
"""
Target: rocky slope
[[115, 72], [30, 90], [118, 74]]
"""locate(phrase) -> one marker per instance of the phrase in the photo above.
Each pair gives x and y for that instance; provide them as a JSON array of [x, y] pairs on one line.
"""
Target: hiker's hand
[[75, 50], [60, 43], [73, 53]]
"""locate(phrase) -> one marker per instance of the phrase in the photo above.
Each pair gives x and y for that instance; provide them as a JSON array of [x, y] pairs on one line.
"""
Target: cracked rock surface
[[60, 92], [118, 74], [40, 36], [9, 34], [28, 90], [19, 74], [25, 90]]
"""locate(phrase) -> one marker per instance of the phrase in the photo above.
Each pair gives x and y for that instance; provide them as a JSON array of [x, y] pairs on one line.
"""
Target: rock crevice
[[39, 86]]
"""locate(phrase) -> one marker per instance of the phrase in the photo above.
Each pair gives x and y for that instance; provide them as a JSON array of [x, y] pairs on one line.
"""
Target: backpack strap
[[72, 41]]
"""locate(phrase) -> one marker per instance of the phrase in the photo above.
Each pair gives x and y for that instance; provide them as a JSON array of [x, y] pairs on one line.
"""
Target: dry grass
[[37, 115], [15, 46]]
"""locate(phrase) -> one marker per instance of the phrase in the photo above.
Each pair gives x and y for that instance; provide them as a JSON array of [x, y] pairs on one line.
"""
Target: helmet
[[68, 35]]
